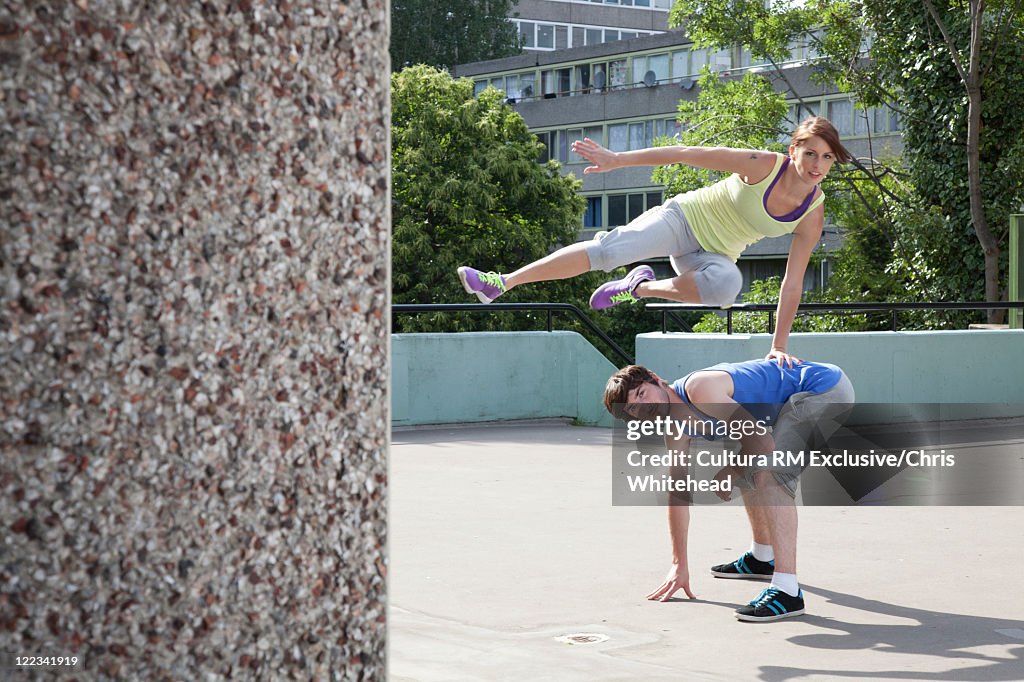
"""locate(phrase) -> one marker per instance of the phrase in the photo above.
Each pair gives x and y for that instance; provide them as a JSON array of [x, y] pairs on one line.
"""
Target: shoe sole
[[742, 576], [465, 285], [756, 619]]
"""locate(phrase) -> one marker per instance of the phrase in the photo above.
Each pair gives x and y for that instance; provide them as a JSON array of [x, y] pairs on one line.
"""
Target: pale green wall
[[491, 376], [496, 376], [976, 366]]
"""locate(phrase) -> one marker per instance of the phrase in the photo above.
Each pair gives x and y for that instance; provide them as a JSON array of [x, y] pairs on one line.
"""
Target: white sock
[[786, 582], [762, 552]]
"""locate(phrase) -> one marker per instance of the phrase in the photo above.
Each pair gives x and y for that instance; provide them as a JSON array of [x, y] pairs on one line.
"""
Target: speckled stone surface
[[194, 337]]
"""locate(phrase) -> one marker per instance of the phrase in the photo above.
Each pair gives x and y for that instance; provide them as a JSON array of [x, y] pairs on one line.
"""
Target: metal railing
[[667, 309], [549, 308]]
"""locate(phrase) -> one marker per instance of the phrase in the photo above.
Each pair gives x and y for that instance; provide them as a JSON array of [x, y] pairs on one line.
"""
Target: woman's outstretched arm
[[752, 164]]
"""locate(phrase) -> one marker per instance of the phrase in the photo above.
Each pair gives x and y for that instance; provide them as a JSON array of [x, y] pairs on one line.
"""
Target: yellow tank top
[[730, 215]]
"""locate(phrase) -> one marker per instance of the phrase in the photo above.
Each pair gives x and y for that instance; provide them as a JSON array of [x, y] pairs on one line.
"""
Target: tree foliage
[[917, 58], [444, 33]]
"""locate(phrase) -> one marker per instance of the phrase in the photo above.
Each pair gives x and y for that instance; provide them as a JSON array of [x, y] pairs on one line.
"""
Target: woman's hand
[[782, 357], [602, 159]]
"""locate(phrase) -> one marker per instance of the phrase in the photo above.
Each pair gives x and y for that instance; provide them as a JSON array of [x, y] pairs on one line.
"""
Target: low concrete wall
[[976, 366], [490, 376]]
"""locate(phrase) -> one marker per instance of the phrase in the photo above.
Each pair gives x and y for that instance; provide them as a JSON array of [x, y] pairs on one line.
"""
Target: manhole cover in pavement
[[582, 638]]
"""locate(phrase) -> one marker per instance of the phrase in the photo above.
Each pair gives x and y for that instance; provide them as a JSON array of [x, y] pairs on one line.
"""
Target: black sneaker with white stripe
[[745, 568], [772, 604]]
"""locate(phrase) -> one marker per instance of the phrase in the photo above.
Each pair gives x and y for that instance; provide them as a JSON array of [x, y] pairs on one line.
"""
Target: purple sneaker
[[611, 294], [486, 285]]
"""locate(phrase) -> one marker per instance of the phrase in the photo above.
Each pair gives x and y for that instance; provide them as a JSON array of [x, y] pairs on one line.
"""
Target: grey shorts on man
[[805, 418]]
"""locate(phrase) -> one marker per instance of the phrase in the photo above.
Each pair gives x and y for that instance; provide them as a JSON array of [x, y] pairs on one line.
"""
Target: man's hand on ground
[[678, 578]]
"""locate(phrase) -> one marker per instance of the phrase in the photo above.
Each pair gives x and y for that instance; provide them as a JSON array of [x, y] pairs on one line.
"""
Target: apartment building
[[547, 25]]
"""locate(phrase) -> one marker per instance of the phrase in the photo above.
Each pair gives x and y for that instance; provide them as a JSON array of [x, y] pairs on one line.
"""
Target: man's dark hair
[[616, 391]]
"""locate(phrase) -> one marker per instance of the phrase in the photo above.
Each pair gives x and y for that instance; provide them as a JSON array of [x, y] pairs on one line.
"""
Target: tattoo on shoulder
[[753, 156]]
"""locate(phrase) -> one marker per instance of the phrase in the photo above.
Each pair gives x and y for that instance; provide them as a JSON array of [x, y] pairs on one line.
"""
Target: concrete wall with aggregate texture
[[194, 337]]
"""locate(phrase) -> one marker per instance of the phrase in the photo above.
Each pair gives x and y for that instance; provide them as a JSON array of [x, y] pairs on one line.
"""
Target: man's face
[[649, 400]]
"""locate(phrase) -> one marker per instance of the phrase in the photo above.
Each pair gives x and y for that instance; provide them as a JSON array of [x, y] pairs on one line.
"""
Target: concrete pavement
[[504, 544]]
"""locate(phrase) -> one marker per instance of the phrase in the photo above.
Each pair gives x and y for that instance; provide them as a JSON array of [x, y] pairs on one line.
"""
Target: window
[[636, 136], [617, 70], [608, 74], [594, 36], [885, 120], [624, 208], [618, 138], [583, 78], [549, 84], [658, 63], [565, 139], [527, 87], [840, 113], [746, 59], [594, 215], [812, 43], [721, 60], [680, 64], [860, 121], [548, 140], [617, 210], [561, 37], [545, 36], [526, 30]]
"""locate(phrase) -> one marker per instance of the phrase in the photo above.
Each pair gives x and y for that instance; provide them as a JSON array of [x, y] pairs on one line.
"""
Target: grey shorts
[[664, 231], [805, 418]]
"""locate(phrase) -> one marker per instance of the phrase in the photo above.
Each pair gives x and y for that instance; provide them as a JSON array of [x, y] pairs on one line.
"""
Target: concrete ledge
[[961, 366], [496, 376]]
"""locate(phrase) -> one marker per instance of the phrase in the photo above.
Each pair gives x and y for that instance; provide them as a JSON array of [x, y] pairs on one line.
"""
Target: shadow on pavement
[[933, 634]]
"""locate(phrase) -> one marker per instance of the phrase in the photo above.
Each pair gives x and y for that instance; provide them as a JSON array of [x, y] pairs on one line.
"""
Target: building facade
[[547, 25]]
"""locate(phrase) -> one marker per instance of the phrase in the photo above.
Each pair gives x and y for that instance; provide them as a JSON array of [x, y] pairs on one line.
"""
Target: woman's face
[[813, 159]]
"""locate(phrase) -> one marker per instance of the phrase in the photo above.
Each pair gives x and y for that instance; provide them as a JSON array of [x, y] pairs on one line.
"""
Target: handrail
[[516, 307], [668, 308]]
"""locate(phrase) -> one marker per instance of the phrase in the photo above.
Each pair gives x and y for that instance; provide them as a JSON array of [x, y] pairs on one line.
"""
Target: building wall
[[452, 378], [595, 13], [194, 338], [884, 367]]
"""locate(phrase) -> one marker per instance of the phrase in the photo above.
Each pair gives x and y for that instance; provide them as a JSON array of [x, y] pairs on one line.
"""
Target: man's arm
[[711, 393], [678, 576]]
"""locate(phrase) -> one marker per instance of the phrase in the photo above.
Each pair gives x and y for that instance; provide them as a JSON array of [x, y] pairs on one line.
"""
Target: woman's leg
[[568, 261], [681, 288], [706, 278]]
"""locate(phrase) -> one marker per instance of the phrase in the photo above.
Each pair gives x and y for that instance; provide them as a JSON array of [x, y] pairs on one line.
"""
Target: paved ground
[[503, 539]]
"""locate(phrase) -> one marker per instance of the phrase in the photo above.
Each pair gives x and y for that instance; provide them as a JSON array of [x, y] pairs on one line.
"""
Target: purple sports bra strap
[[796, 213]]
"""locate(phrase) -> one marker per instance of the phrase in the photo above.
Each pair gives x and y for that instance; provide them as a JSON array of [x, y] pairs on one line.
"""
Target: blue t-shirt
[[762, 387]]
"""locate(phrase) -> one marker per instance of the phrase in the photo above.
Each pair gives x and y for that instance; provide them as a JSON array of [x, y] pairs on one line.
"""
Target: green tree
[[444, 33], [954, 71]]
